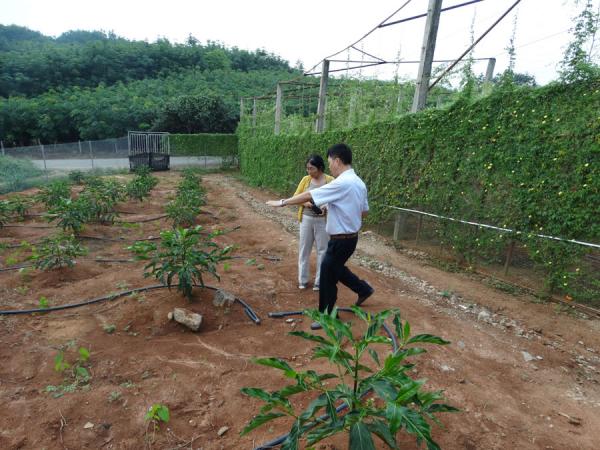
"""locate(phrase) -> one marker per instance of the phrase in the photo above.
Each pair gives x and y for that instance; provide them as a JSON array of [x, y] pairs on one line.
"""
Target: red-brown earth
[[549, 402]]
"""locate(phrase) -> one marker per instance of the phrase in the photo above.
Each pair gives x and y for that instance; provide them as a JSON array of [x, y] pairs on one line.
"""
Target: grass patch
[[15, 173]]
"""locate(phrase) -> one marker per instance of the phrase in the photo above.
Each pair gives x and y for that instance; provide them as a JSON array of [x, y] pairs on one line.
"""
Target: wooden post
[[80, 151], [427, 51], [489, 73], [241, 107], [399, 101], [438, 101], [351, 109], [399, 225], [278, 103], [2, 145], [509, 255], [116, 151], [254, 112], [320, 125], [91, 153], [419, 228], [44, 158]]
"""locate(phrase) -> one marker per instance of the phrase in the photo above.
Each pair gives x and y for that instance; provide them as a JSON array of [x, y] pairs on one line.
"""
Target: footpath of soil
[[524, 375]]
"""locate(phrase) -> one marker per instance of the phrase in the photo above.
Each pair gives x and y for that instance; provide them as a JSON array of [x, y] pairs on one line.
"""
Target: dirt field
[[524, 373]]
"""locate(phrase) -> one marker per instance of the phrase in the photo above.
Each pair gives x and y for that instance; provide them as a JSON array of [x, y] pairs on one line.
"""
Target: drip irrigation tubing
[[151, 219], [278, 440], [247, 308]]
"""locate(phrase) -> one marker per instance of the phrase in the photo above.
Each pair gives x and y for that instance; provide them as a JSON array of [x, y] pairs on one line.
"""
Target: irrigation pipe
[[247, 308], [277, 441], [151, 219]]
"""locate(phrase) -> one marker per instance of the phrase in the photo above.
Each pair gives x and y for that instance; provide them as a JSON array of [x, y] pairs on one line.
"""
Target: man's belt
[[344, 236]]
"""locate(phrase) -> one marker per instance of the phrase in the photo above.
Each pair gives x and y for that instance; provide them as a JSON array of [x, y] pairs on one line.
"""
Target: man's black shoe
[[363, 298]]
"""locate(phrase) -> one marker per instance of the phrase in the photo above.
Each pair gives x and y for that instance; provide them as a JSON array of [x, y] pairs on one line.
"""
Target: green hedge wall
[[522, 158], [204, 144]]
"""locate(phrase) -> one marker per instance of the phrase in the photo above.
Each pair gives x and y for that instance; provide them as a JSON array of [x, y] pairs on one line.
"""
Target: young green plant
[[381, 397]]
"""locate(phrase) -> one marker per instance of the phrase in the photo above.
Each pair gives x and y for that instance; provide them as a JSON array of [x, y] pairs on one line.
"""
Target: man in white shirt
[[346, 200]]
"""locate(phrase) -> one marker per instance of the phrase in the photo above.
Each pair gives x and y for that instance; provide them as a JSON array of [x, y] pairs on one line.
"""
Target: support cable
[[425, 15], [451, 66]]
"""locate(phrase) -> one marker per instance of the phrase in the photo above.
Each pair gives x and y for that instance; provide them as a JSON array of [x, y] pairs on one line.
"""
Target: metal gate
[[148, 149]]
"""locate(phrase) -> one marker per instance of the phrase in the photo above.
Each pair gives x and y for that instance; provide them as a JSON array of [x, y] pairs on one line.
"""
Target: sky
[[311, 30]]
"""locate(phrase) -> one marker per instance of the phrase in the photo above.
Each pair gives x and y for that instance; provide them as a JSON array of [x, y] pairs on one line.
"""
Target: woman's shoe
[[301, 286], [316, 287]]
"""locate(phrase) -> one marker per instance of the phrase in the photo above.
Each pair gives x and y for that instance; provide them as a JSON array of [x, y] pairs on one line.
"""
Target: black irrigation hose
[[151, 219], [247, 308], [278, 440], [28, 226], [20, 266]]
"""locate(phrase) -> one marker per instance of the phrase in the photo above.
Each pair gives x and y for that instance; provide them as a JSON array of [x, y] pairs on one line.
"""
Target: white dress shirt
[[346, 199]]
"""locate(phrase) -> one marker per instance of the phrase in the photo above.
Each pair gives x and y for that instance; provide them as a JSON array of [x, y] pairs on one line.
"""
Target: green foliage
[[93, 58], [43, 302], [71, 214], [522, 158], [100, 198], [142, 184], [577, 64], [185, 254], [97, 88], [77, 176], [14, 172], [203, 144], [5, 212], [57, 252], [19, 205], [76, 374], [186, 205], [158, 413], [206, 113], [381, 397], [53, 193]]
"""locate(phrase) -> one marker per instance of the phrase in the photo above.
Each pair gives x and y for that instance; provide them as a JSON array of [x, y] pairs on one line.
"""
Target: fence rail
[[57, 160], [509, 260]]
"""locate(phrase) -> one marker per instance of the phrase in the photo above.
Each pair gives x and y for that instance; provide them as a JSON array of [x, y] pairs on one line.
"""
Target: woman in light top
[[312, 222]]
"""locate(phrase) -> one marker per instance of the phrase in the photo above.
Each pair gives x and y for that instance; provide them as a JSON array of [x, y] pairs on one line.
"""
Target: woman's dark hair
[[317, 161], [341, 151]]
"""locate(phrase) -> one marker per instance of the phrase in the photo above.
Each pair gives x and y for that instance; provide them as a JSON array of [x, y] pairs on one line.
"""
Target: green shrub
[[185, 254], [204, 144], [381, 401], [51, 194], [57, 252], [70, 214], [14, 173], [142, 184]]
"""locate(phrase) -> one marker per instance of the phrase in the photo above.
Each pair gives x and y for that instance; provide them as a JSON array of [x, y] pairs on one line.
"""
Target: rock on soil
[[190, 319], [223, 298]]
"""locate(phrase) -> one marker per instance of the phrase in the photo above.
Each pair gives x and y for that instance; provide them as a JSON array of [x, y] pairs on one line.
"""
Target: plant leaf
[[260, 420], [427, 338], [379, 428], [360, 437]]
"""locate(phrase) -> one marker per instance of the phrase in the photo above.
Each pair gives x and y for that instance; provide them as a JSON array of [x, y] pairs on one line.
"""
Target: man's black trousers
[[333, 269]]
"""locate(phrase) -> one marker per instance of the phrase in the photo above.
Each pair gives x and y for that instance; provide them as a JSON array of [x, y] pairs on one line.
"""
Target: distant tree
[[517, 78], [217, 59], [10, 35], [577, 62], [81, 36], [205, 113]]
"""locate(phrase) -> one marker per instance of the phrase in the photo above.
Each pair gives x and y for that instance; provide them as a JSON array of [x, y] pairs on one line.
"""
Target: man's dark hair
[[341, 151], [317, 161]]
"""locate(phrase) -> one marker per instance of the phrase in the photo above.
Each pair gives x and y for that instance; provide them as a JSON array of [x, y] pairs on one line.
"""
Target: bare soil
[[549, 402]]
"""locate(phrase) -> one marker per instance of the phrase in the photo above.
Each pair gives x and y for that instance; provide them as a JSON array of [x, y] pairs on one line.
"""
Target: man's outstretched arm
[[295, 200]]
